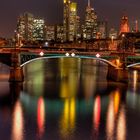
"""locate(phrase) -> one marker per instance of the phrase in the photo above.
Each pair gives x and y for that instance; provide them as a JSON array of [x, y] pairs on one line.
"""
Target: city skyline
[[52, 12]]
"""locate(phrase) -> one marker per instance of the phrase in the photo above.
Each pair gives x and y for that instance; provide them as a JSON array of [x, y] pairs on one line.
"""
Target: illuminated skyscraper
[[69, 21], [90, 29], [30, 28], [25, 26], [124, 26], [38, 29], [73, 21], [66, 19]]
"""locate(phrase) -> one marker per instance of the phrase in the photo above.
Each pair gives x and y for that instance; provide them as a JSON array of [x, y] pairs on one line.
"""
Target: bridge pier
[[117, 74], [16, 72]]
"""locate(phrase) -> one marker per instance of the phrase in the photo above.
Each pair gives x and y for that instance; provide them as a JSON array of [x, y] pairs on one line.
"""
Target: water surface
[[69, 99]]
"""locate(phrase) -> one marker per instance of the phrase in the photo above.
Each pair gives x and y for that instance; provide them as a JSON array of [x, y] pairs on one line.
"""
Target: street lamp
[[123, 42], [124, 48]]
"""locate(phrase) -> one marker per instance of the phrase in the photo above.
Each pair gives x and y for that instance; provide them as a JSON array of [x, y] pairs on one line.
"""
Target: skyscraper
[[90, 28], [69, 20], [73, 21], [66, 19], [25, 26]]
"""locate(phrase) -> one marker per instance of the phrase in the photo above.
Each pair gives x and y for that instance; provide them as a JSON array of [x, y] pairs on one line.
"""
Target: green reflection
[[34, 82]]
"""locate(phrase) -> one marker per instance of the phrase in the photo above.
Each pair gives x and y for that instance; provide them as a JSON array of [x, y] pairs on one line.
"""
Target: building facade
[[59, 33], [38, 29], [101, 30], [30, 28], [50, 32]]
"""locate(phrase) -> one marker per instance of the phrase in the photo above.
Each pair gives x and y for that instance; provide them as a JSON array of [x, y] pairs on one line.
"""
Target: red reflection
[[41, 116], [97, 112]]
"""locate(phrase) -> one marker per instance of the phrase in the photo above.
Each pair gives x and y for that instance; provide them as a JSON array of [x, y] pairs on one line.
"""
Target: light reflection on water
[[70, 99], [17, 122], [41, 116]]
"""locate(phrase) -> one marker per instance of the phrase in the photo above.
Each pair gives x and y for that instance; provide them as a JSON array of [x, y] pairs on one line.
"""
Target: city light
[[73, 54], [67, 54], [41, 53], [97, 55], [46, 44]]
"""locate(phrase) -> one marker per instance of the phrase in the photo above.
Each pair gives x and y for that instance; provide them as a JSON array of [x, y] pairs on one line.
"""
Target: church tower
[[124, 26]]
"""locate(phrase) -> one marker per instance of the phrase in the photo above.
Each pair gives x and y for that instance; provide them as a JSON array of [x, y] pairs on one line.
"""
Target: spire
[[136, 25], [88, 3]]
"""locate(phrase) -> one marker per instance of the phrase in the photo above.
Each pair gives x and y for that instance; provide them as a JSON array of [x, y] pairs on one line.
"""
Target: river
[[68, 99]]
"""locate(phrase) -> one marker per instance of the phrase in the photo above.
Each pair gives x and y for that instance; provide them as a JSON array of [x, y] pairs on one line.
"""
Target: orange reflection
[[17, 126], [121, 126], [135, 77], [97, 112], [112, 113], [116, 101], [67, 122], [110, 119], [118, 63], [41, 116]]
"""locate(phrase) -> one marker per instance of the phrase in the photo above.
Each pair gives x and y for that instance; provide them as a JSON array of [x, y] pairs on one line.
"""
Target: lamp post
[[124, 49]]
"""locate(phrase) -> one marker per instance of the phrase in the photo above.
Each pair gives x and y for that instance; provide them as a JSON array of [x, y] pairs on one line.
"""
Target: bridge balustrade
[[117, 61]]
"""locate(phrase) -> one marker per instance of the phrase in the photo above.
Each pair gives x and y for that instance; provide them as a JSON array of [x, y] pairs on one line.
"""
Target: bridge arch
[[77, 56], [132, 65]]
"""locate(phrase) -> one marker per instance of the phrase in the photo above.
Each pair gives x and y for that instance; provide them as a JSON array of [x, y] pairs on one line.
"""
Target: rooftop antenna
[[88, 3], [136, 25]]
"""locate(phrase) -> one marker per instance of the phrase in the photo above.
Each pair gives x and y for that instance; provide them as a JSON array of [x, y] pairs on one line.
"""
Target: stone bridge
[[117, 62]]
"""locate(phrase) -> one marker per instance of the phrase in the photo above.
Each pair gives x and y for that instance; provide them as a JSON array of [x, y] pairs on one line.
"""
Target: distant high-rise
[[30, 28], [25, 26], [59, 33], [90, 27], [78, 28], [102, 29], [69, 20], [38, 29], [124, 26], [50, 33], [113, 33]]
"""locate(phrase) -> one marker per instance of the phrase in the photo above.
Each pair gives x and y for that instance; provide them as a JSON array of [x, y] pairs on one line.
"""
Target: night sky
[[52, 11]]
